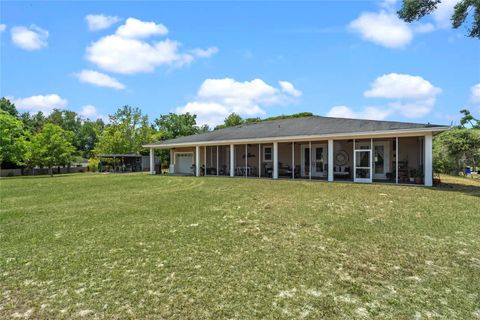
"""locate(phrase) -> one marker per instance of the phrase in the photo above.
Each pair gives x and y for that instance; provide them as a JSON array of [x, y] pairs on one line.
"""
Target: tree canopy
[[51, 147], [127, 131], [172, 125], [12, 138], [413, 10]]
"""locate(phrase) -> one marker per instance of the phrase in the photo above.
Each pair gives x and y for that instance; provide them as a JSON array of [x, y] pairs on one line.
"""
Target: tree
[[51, 147], [469, 119], [33, 123], [232, 120], [413, 10], [456, 148], [88, 136], [174, 125], [127, 132], [12, 139], [8, 107]]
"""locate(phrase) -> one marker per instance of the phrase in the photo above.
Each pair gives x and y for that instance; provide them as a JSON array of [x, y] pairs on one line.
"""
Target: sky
[[352, 59]]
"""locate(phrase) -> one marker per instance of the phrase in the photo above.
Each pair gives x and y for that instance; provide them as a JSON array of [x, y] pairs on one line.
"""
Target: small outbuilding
[[127, 163]]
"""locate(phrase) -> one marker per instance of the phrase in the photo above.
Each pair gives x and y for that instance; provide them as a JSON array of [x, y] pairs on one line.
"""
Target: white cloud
[[29, 38], [97, 22], [217, 98], [382, 28], [204, 53], [409, 96], [44, 103], [134, 28], [289, 88], [372, 113], [475, 93], [125, 52], [405, 86], [90, 112], [3, 27], [99, 79], [415, 108]]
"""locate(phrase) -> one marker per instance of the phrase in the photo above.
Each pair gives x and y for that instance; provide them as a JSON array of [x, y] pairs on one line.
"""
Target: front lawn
[[140, 246]]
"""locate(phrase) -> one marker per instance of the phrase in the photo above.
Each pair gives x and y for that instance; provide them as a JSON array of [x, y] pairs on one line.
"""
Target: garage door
[[183, 162]]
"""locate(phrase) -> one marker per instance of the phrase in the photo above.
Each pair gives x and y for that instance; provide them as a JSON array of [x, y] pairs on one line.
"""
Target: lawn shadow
[[469, 189]]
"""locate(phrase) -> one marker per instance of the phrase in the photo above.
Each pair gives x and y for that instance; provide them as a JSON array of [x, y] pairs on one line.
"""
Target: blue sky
[[337, 58]]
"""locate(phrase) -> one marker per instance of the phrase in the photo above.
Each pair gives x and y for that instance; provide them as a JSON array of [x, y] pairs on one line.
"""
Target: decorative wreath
[[341, 158]]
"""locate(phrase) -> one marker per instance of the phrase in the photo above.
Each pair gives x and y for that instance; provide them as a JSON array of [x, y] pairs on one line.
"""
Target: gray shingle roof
[[306, 126]]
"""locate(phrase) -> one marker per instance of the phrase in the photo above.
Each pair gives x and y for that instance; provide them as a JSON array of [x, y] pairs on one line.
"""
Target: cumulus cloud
[[127, 51], [97, 22], [29, 38], [289, 88], [475, 93], [43, 103], [99, 79], [405, 86], [382, 28], [3, 27], [385, 28], [134, 28], [407, 95], [217, 98]]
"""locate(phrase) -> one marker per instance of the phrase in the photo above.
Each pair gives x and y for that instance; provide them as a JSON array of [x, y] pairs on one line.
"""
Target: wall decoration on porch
[[341, 158]]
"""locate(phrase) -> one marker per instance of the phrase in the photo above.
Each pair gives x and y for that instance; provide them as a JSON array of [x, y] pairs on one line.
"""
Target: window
[[267, 154]]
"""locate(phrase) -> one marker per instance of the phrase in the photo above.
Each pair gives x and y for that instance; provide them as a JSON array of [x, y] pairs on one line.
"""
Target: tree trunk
[[50, 171]]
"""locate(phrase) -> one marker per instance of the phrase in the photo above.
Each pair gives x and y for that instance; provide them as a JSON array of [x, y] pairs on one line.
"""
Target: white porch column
[[330, 160], [275, 160], [293, 160], [232, 160], [246, 160], [259, 160], [428, 161], [217, 161], [310, 160], [396, 160], [152, 161], [197, 161], [205, 161]]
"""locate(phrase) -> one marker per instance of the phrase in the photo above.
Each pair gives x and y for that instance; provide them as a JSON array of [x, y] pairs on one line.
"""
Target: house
[[333, 149]]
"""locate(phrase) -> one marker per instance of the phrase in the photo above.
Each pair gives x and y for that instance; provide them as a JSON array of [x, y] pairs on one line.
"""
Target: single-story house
[[334, 149]]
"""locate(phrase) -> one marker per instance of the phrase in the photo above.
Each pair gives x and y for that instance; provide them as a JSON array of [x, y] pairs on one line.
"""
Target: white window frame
[[271, 153]]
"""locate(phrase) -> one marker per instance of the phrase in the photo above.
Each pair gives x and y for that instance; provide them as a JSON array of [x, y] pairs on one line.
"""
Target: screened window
[[267, 154]]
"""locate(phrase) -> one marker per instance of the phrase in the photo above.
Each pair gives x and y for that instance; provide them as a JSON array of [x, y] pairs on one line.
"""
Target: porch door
[[381, 159], [362, 159], [318, 158]]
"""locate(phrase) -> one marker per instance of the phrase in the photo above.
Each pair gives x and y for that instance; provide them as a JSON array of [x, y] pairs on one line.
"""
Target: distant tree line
[[63, 137]]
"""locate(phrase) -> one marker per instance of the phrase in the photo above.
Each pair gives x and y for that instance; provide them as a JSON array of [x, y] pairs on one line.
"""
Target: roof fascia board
[[338, 136]]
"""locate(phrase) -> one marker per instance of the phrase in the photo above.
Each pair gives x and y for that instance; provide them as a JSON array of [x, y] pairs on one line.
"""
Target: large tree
[[413, 10], [8, 107], [51, 147], [127, 131], [232, 120], [12, 139], [455, 149], [172, 125]]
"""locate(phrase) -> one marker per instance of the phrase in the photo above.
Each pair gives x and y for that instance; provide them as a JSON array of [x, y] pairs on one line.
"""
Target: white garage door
[[183, 162]]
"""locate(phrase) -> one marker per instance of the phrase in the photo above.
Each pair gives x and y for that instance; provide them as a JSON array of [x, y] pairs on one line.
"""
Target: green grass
[[141, 246]]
